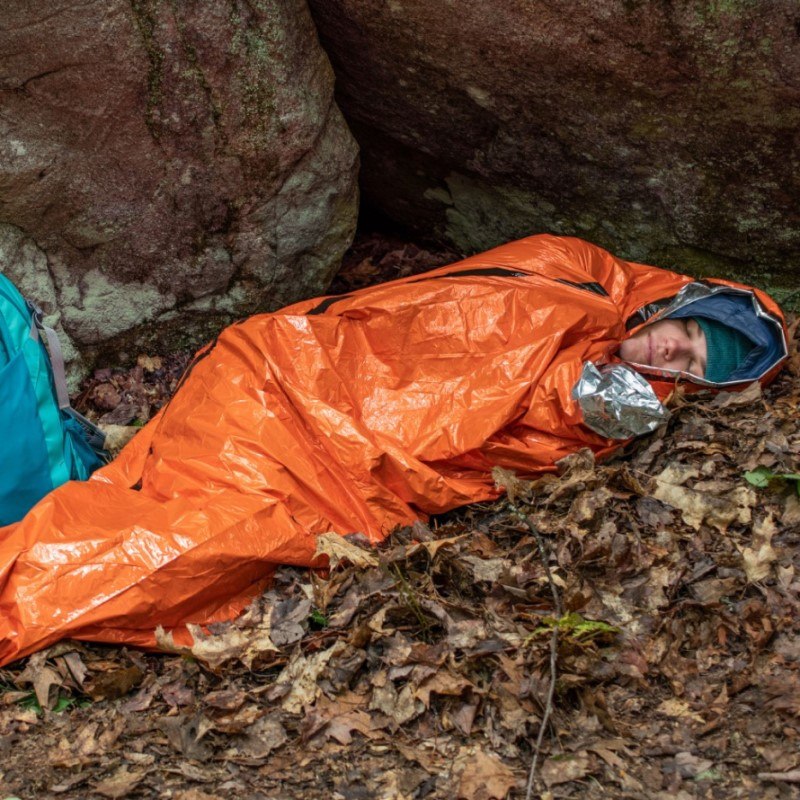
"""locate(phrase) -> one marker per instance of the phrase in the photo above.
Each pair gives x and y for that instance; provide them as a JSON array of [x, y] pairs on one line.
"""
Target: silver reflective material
[[617, 402]]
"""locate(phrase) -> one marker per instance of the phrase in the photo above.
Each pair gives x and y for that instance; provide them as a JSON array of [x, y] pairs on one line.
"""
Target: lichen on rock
[[165, 157]]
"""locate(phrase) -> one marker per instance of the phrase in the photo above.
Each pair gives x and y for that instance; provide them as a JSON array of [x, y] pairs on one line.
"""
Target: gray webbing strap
[[56, 356]]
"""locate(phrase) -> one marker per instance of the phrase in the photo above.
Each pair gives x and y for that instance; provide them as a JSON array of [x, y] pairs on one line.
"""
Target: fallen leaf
[[46, 680], [444, 683], [508, 481], [486, 569], [149, 363], [401, 706], [286, 620], [565, 768], [113, 684], [429, 759], [338, 549], [225, 699], [195, 794], [689, 766], [780, 758], [263, 736], [120, 784], [176, 693], [341, 726], [747, 398], [485, 776], [184, 734], [237, 721], [106, 396], [464, 717], [117, 436], [698, 507], [434, 545], [759, 558], [215, 649], [301, 674], [678, 708]]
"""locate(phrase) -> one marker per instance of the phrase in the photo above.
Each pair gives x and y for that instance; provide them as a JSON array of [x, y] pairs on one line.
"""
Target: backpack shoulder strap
[[38, 328], [94, 436]]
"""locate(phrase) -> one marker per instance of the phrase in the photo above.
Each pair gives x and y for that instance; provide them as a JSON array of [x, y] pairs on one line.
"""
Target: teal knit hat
[[726, 349]]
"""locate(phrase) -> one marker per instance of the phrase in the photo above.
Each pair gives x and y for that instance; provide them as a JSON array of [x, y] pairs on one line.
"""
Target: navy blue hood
[[737, 311]]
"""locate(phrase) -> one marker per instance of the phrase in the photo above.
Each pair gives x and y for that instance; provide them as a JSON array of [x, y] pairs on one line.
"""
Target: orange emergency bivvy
[[353, 413]]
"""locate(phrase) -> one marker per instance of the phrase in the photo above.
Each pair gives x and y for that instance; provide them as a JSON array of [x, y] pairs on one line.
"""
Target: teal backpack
[[44, 441]]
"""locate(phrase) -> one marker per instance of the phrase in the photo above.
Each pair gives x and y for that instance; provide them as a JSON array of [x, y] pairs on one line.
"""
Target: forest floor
[[670, 585]]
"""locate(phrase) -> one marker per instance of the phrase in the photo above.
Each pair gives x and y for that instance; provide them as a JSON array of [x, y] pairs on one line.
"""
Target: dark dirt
[[421, 670]]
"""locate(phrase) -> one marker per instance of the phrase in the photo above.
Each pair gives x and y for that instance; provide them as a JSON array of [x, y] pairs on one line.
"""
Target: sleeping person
[[366, 411]]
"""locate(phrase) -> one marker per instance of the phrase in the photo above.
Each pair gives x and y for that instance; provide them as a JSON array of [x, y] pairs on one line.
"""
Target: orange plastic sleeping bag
[[353, 413]]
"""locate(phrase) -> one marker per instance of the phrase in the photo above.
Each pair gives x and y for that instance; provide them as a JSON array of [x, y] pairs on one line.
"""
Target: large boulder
[[165, 167], [665, 131]]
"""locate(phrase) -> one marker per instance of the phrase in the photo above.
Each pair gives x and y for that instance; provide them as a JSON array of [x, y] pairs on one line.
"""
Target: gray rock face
[[664, 131], [167, 166]]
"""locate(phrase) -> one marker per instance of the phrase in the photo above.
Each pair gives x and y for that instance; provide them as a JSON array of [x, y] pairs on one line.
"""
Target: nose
[[675, 347]]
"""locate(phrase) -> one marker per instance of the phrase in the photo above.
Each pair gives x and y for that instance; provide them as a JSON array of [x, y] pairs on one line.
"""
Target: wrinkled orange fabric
[[357, 413]]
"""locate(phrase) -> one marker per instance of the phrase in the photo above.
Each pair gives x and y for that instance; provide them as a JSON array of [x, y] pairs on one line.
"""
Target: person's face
[[676, 344]]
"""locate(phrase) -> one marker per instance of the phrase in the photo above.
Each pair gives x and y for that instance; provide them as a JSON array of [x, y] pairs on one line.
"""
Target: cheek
[[630, 349]]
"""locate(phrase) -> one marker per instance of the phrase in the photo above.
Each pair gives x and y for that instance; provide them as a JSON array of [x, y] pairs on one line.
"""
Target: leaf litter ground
[[422, 669]]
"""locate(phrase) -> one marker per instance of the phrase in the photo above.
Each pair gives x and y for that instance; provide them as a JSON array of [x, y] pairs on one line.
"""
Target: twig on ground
[[789, 777], [544, 555]]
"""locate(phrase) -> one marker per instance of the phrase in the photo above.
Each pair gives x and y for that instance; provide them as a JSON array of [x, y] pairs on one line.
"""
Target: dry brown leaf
[[120, 784], [113, 684], [301, 675], [44, 679], [791, 510], [341, 726], [237, 721], [779, 757], [78, 749], [71, 666], [225, 699], [117, 436], [485, 776], [678, 708], [507, 481], [195, 794], [338, 549], [565, 768], [215, 649], [689, 765], [747, 398], [263, 736], [698, 507], [401, 706], [184, 734], [444, 683], [486, 569], [434, 545], [759, 558], [429, 758], [463, 717], [286, 620], [149, 363]]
